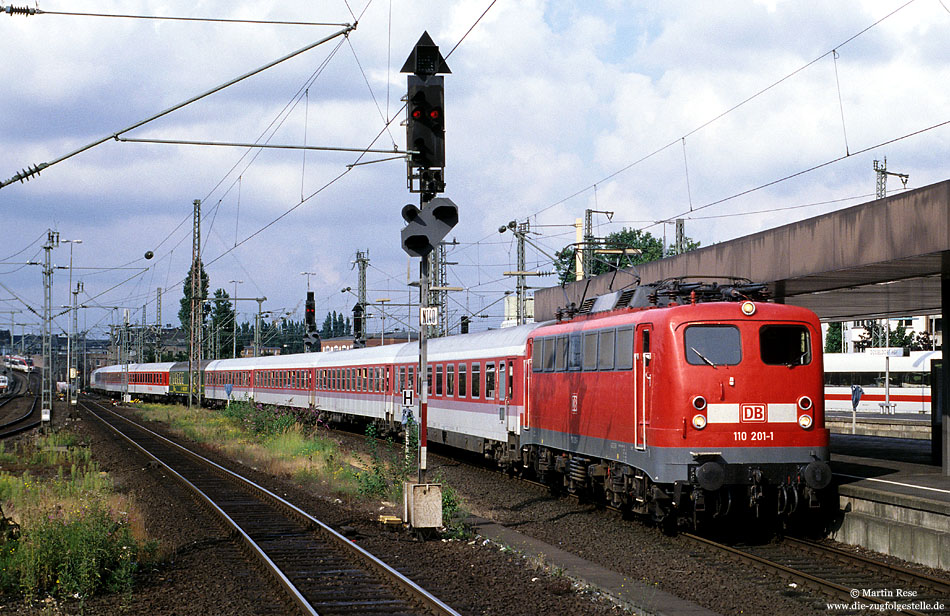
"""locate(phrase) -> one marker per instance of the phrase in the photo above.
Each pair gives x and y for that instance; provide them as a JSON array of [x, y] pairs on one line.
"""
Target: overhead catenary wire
[[12, 10], [43, 166]]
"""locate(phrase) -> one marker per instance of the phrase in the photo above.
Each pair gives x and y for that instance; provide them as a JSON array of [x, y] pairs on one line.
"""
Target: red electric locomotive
[[697, 400]]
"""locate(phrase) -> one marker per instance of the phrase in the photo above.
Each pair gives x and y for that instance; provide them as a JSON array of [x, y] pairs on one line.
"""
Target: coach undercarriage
[[713, 490]]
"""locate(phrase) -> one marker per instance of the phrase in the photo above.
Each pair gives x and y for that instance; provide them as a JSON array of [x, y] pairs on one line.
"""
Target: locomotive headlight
[[699, 421], [805, 421], [699, 403], [748, 308], [804, 403]]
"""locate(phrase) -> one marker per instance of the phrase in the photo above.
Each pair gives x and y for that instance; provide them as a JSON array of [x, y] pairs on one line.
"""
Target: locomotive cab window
[[713, 345], [785, 345]]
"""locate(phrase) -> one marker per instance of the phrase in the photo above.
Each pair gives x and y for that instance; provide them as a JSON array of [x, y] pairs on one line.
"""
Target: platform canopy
[[883, 258]]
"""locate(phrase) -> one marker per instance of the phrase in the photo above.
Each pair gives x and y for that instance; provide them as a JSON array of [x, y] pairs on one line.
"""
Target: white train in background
[[909, 378]]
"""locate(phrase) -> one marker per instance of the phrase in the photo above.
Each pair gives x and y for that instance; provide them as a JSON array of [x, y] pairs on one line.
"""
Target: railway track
[[320, 570], [844, 577], [841, 576], [19, 422]]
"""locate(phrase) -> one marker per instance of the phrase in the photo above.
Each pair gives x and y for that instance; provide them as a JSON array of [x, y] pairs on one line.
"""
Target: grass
[[293, 443], [65, 532], [277, 441]]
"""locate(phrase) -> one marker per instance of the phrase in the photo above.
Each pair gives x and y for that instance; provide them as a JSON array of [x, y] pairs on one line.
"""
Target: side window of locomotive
[[605, 352], [575, 351], [560, 361], [645, 343], [490, 381], [476, 379], [463, 373], [590, 351], [785, 345], [550, 345], [713, 345], [537, 357]]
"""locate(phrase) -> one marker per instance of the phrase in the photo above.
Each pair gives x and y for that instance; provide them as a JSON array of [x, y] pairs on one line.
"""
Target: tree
[[222, 322], [651, 249], [184, 314], [833, 338]]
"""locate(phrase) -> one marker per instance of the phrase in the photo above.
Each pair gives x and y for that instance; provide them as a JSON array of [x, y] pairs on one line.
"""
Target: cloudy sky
[[653, 111]]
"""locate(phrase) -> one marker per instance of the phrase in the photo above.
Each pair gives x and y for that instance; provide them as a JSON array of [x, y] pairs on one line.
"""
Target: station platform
[[897, 425], [892, 499]]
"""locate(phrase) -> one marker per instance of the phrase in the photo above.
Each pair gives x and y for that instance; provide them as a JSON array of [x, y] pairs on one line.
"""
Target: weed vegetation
[[64, 532], [298, 443]]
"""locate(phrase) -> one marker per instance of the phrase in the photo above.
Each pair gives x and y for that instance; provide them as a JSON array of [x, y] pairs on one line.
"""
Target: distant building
[[511, 310]]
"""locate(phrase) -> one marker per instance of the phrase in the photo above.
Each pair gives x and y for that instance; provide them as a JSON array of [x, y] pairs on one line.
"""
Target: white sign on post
[[407, 397], [429, 316]]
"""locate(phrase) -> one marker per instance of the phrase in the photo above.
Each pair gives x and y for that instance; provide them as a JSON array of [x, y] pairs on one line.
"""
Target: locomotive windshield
[[785, 345], [713, 345]]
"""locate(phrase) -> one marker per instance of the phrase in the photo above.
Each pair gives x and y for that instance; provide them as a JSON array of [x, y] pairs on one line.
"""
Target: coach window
[[476, 379], [438, 380], [785, 345], [490, 381], [429, 380], [560, 359], [402, 378], [590, 351], [462, 379], [575, 352], [605, 349], [713, 345], [450, 380]]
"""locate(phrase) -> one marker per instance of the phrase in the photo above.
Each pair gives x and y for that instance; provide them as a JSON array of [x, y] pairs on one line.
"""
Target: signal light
[[425, 129], [310, 315]]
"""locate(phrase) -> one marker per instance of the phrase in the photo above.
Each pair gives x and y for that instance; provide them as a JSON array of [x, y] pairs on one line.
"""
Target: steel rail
[[902, 573], [807, 579], [429, 601], [25, 427]]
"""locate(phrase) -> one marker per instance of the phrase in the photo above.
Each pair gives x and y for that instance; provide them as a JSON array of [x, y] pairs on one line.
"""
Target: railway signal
[[425, 122]]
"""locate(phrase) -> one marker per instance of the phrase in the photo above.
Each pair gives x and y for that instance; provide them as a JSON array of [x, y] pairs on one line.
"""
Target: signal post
[[426, 226]]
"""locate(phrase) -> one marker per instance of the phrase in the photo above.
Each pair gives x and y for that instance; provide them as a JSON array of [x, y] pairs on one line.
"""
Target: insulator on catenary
[[19, 10], [28, 173]]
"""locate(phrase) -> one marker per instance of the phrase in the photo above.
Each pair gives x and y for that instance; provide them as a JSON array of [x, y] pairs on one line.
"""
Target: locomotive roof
[[682, 313]]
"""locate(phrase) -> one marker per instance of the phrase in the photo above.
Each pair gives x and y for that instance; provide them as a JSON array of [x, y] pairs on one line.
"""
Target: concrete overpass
[[885, 258]]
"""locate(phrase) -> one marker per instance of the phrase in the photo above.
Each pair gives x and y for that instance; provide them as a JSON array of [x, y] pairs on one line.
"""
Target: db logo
[[752, 412]]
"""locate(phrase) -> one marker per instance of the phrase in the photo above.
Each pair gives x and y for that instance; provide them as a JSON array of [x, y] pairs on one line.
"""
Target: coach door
[[643, 383], [506, 388]]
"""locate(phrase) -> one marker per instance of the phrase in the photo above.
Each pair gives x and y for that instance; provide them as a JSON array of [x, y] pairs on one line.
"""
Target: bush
[[390, 466], [259, 419], [75, 556]]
